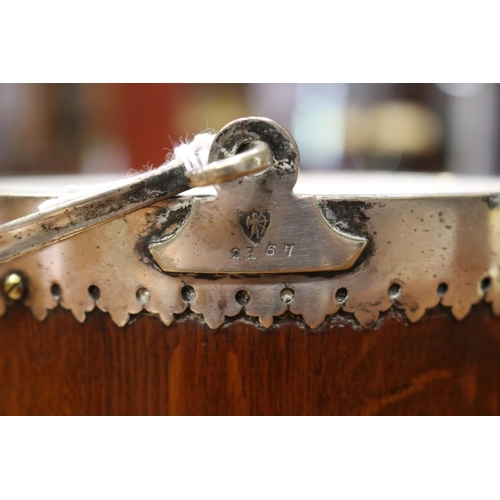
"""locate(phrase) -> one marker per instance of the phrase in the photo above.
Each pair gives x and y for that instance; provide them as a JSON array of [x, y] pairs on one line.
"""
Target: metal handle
[[38, 230]]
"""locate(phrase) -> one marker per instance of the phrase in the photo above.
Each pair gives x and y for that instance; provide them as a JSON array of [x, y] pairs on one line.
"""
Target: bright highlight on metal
[[254, 160], [259, 248], [47, 227]]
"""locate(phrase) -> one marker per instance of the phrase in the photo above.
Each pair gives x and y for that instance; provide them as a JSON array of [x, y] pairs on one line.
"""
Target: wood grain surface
[[438, 366]]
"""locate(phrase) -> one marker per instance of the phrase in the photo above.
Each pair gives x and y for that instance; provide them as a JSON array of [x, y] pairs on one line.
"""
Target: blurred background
[[112, 128]]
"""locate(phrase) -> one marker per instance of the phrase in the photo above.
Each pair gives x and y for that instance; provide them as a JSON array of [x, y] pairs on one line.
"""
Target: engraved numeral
[[235, 254], [289, 248], [271, 249]]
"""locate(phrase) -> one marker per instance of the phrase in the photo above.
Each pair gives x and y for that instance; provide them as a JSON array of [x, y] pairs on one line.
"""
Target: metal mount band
[[259, 248], [38, 230]]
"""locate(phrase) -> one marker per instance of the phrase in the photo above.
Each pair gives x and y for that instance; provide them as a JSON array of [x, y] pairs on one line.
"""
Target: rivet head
[[13, 286]]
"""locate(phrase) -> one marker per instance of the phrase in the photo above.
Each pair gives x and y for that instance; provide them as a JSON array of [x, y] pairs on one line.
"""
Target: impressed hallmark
[[271, 251], [256, 224]]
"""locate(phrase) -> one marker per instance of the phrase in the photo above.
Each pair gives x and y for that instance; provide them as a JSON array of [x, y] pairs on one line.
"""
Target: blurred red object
[[147, 120]]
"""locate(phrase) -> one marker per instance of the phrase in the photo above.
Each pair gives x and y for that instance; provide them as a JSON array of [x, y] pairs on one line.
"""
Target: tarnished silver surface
[[419, 250], [255, 158], [256, 224], [46, 227]]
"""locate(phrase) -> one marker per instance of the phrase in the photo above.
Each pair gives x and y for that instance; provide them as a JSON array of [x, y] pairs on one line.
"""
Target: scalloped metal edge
[[417, 244]]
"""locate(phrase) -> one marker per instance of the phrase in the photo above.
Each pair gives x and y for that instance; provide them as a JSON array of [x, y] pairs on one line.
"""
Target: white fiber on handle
[[194, 155]]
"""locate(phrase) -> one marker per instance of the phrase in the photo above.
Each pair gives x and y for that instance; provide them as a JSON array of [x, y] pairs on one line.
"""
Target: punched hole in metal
[[485, 284], [341, 295], [394, 291], [188, 294], [94, 292], [143, 295], [56, 291], [242, 297], [287, 295], [442, 289]]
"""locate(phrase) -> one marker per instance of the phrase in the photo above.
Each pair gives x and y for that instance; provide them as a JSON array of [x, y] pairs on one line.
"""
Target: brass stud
[[13, 286]]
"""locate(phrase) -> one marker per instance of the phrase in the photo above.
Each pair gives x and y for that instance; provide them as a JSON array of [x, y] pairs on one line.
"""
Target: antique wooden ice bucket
[[348, 295]]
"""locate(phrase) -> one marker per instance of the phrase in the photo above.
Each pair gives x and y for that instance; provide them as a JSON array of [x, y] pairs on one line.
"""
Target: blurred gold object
[[392, 128], [213, 107]]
